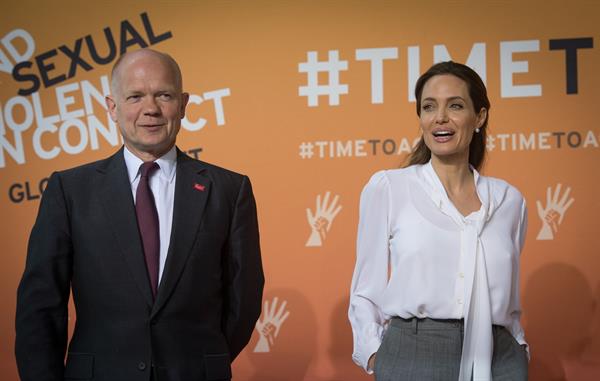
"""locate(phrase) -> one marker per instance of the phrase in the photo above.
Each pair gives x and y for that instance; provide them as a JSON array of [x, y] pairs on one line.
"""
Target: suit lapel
[[192, 189], [117, 199]]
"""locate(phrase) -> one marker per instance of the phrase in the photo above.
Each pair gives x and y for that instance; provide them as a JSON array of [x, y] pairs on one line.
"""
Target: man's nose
[[151, 106]]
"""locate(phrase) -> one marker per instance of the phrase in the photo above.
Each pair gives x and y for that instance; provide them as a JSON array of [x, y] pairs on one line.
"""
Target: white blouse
[[417, 256]]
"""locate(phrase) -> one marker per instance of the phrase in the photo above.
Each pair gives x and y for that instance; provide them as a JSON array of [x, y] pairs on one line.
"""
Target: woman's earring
[[477, 130]]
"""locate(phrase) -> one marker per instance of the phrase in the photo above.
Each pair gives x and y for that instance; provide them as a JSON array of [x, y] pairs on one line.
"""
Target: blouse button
[[461, 275], [459, 301]]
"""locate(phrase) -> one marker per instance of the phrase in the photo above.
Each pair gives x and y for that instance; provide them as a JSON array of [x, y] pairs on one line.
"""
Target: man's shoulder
[[87, 169], [224, 182], [211, 170]]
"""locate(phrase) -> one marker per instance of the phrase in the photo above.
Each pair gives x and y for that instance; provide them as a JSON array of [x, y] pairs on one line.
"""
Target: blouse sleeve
[[371, 271], [515, 328]]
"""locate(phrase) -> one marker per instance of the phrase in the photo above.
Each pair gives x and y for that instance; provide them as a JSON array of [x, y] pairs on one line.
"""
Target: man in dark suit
[[161, 252]]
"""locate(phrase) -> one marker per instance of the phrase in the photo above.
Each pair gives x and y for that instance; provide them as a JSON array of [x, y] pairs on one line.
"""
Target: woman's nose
[[441, 115]]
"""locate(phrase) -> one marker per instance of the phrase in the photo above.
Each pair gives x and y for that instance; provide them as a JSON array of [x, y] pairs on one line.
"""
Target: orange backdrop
[[256, 69]]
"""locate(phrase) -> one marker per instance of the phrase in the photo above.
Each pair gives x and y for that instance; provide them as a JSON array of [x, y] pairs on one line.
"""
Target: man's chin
[[155, 150]]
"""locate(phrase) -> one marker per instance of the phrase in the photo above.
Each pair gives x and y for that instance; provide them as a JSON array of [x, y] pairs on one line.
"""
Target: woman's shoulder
[[389, 176], [377, 182], [503, 189], [391, 181]]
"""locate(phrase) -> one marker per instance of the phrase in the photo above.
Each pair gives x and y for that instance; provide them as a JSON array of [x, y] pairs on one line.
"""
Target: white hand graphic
[[320, 222], [268, 326], [554, 212]]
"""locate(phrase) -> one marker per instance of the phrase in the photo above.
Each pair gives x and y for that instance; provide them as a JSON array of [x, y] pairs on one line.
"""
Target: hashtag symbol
[[490, 145], [306, 150], [312, 67]]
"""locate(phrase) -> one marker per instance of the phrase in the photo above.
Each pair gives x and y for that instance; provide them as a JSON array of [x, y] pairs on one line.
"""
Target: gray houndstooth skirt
[[430, 350]]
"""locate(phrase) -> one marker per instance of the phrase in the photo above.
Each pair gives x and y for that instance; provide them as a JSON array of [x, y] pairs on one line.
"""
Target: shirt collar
[[167, 164]]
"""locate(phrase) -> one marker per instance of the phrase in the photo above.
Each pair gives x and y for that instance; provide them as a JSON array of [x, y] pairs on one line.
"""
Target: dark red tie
[[147, 218]]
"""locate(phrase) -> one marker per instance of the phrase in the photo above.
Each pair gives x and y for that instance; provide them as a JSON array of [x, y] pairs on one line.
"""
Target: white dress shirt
[[162, 184], [418, 256]]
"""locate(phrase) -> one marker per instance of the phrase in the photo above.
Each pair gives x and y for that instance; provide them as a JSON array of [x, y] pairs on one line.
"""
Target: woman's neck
[[455, 174]]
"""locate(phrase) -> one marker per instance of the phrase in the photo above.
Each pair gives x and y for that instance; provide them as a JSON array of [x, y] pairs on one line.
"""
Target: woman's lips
[[442, 136]]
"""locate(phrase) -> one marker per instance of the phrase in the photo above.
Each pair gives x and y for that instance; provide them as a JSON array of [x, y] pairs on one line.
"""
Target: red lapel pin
[[199, 187]]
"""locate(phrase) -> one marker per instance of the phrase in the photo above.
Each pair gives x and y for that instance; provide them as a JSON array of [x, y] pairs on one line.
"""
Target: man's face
[[147, 105]]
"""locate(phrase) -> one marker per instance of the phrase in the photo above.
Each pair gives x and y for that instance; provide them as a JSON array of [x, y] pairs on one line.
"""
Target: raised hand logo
[[553, 214], [320, 221], [268, 327]]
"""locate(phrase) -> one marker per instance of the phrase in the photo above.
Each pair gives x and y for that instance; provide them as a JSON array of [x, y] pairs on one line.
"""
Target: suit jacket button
[[142, 365]]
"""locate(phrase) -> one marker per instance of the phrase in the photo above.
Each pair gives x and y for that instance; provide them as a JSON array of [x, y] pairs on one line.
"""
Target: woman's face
[[448, 118]]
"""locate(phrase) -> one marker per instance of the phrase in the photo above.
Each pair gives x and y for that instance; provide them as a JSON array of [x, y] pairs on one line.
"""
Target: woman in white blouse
[[435, 291]]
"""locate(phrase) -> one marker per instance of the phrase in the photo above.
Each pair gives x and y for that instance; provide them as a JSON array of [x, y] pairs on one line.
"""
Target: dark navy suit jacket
[[86, 240]]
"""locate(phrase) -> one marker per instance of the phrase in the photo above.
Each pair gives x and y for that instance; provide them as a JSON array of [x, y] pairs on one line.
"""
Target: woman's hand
[[371, 363]]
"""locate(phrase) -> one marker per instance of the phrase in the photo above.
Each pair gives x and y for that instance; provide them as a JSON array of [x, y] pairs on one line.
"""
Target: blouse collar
[[437, 193]]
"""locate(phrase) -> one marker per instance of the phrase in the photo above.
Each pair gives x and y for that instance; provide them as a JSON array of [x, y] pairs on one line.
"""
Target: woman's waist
[[415, 323]]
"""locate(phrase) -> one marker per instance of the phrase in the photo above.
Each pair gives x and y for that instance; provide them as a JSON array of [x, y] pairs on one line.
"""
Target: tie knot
[[147, 168]]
